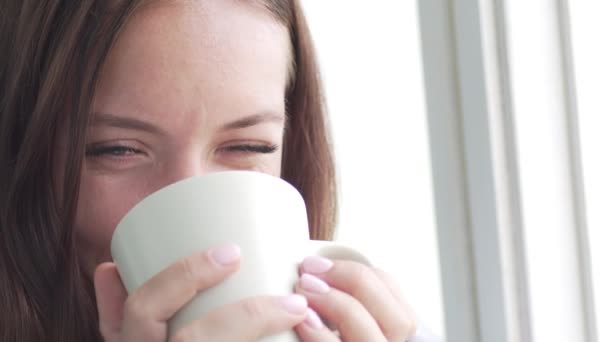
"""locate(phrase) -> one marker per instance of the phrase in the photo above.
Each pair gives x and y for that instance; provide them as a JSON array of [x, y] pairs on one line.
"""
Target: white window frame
[[589, 101], [506, 275]]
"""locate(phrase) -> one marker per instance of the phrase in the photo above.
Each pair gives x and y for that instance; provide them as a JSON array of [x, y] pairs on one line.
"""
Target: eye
[[252, 148], [111, 150], [247, 155]]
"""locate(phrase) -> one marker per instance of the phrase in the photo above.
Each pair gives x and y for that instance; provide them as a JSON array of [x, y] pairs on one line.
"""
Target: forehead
[[187, 49]]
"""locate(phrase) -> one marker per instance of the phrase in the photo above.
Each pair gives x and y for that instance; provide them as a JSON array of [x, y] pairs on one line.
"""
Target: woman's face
[[190, 88]]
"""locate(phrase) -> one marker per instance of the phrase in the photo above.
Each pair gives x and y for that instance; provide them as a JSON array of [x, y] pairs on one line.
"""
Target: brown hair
[[52, 53]]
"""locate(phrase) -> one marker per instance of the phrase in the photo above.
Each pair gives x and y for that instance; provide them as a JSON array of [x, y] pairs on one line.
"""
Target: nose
[[185, 164]]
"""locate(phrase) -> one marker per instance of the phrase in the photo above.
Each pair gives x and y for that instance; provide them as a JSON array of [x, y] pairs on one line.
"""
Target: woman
[[104, 102]]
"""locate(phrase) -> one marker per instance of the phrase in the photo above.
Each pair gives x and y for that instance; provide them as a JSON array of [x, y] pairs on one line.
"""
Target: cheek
[[102, 203]]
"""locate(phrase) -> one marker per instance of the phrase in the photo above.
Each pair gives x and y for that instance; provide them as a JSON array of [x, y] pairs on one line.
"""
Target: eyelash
[[112, 150], [120, 151], [247, 148]]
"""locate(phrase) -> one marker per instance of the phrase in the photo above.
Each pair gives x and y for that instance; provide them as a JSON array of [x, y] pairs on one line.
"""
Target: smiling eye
[[114, 151], [250, 148]]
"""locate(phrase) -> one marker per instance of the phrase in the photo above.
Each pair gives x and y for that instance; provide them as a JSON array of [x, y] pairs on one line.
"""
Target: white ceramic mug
[[264, 215]]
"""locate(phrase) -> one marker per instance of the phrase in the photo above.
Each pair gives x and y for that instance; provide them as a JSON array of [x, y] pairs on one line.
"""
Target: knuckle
[[134, 309], [137, 311], [360, 277], [253, 308], [346, 311], [401, 329], [189, 268]]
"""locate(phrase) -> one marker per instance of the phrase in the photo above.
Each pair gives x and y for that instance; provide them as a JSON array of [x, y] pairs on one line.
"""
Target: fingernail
[[295, 304], [313, 320], [226, 255], [316, 264], [313, 284]]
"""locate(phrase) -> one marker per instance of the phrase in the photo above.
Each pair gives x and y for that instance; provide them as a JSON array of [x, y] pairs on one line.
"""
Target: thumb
[[111, 296]]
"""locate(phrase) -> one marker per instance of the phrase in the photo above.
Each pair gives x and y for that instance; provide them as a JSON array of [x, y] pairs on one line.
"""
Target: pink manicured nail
[[226, 255], [313, 320], [313, 284], [295, 304], [316, 264]]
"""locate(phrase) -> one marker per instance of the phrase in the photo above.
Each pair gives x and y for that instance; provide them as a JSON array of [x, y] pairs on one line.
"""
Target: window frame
[[488, 196]]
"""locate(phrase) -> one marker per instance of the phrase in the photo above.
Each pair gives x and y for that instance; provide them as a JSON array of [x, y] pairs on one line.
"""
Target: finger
[[393, 286], [110, 295], [362, 282], [313, 330], [150, 306], [247, 320], [350, 317], [409, 325]]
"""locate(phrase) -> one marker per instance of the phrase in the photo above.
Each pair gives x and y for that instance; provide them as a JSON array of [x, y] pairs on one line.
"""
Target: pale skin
[[192, 88]]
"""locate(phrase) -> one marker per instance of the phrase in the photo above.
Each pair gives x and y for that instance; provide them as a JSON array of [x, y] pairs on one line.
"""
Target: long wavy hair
[[52, 53]]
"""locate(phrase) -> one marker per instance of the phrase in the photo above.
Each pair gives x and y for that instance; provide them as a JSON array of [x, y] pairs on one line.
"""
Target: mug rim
[[197, 178]]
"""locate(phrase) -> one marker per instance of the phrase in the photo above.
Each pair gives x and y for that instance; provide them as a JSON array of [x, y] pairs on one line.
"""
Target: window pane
[[370, 58], [589, 26]]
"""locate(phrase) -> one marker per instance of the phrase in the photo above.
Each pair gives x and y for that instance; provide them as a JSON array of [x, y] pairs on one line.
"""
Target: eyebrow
[[112, 120], [253, 120]]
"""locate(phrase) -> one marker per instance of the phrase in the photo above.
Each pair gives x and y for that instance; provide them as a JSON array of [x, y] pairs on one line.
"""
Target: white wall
[[371, 62]]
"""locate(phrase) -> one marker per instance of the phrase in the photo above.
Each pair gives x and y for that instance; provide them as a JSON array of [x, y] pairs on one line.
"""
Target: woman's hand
[[143, 315], [363, 304]]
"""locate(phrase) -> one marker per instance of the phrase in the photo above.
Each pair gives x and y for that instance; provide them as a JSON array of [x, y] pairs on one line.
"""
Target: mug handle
[[333, 250]]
